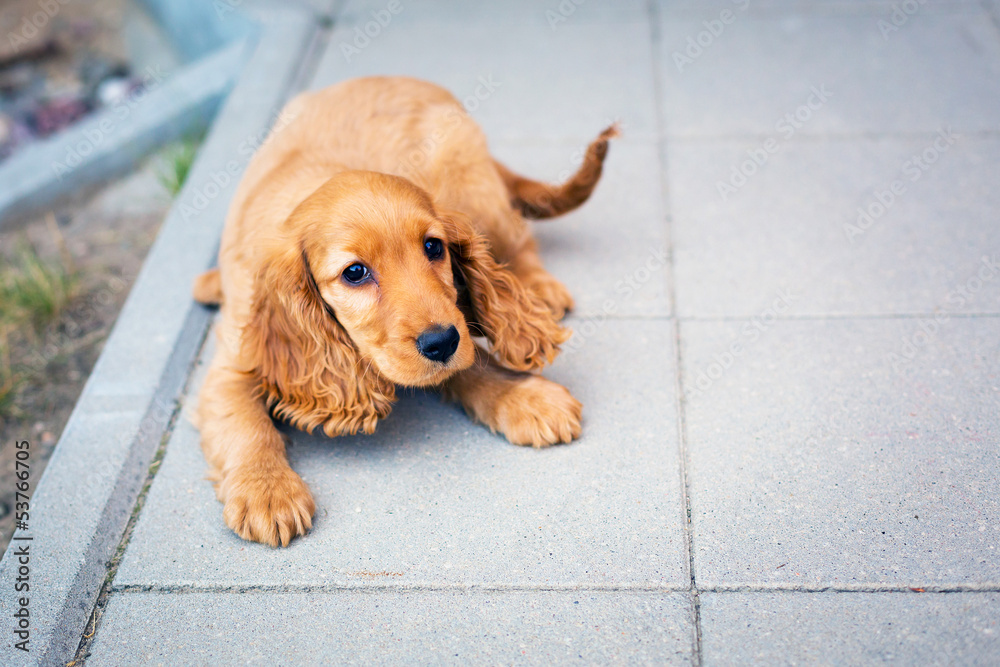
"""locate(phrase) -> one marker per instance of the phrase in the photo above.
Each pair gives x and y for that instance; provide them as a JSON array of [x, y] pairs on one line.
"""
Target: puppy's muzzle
[[438, 343]]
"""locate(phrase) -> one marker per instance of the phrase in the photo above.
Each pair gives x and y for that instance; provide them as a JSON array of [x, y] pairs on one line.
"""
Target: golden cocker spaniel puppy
[[369, 241]]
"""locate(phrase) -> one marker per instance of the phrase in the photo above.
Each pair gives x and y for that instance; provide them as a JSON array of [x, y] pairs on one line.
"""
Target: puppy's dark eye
[[355, 273], [433, 248]]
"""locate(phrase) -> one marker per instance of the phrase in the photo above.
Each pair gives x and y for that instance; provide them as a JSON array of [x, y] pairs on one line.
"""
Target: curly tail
[[541, 200]]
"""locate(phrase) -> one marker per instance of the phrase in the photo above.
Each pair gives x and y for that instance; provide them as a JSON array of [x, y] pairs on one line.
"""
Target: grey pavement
[[787, 346]]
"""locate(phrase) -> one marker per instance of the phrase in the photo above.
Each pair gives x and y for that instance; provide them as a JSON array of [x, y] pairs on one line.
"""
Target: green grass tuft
[[9, 380], [178, 160], [33, 290]]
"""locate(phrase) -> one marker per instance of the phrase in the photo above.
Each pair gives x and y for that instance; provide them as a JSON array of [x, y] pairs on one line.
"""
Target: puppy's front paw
[[539, 413], [270, 505], [553, 294]]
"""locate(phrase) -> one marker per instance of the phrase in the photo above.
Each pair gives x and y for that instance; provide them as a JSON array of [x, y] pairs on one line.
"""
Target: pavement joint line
[[800, 137], [837, 317], [991, 11], [430, 587], [313, 53], [172, 381], [571, 317], [653, 16], [415, 587], [816, 137], [936, 589], [101, 602], [831, 9], [577, 317], [624, 138]]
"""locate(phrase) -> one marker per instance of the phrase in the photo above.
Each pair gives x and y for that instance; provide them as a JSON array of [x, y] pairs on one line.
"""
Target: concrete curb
[[197, 28], [110, 142], [83, 502]]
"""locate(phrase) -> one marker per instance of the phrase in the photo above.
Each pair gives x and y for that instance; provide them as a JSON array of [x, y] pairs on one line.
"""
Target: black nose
[[438, 343]]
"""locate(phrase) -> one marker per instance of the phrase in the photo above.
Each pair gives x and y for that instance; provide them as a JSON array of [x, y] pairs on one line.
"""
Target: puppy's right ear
[[522, 331], [308, 369]]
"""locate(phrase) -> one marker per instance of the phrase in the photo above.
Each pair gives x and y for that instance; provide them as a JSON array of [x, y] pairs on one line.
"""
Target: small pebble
[[113, 91]]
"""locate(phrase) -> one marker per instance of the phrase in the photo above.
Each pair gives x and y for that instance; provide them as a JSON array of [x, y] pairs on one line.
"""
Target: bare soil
[[107, 235]]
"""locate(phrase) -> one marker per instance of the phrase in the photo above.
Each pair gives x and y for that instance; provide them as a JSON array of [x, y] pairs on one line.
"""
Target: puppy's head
[[371, 287]]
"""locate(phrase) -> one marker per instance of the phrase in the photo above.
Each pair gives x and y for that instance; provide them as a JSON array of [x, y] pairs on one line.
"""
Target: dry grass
[[9, 380], [34, 291], [33, 294]]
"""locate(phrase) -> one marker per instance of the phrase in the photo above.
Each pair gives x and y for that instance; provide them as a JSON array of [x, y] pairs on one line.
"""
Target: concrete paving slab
[[747, 74], [612, 252], [392, 628], [850, 628], [844, 453], [507, 86], [847, 227], [433, 499], [773, 7]]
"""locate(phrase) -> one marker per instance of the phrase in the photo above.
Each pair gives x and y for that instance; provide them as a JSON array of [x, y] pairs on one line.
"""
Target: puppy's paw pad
[[539, 413], [271, 506]]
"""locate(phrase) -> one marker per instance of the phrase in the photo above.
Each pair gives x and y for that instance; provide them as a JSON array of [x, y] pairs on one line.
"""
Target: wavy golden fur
[[371, 238]]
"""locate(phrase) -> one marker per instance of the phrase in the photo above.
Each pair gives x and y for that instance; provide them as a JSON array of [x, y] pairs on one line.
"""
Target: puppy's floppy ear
[[308, 369], [521, 328]]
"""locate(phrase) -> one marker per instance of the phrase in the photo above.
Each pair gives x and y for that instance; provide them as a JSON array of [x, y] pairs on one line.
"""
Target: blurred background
[[787, 333]]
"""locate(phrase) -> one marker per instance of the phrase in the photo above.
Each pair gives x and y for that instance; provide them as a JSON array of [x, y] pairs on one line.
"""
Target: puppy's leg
[[526, 408], [526, 264], [264, 500], [538, 200], [208, 288]]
